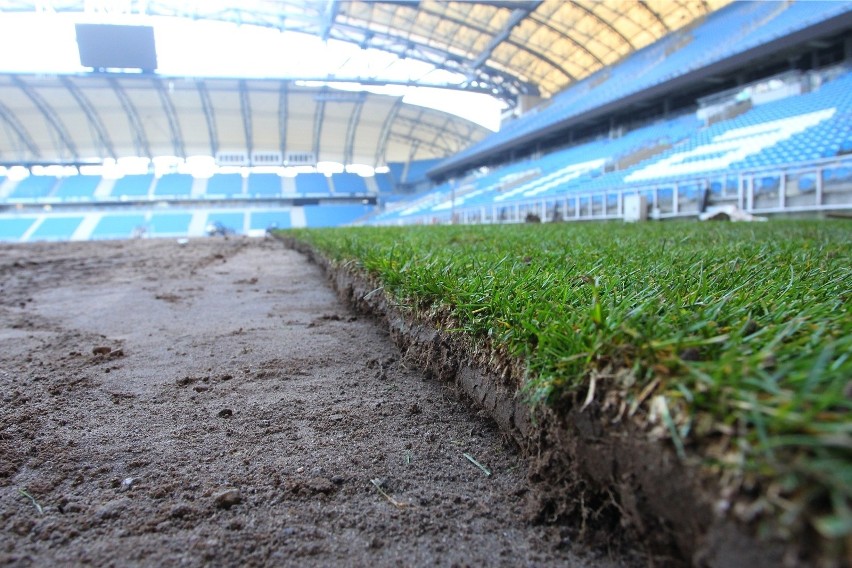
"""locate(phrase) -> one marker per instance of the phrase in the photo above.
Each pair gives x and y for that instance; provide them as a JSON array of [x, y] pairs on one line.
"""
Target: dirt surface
[[612, 480], [214, 403]]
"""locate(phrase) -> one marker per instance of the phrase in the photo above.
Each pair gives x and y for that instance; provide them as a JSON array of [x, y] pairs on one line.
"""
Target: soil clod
[[227, 499]]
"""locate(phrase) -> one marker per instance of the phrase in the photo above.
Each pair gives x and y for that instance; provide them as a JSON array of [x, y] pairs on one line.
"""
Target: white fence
[[820, 186]]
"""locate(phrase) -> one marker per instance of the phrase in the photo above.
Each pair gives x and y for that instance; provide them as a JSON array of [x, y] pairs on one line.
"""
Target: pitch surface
[[215, 403]]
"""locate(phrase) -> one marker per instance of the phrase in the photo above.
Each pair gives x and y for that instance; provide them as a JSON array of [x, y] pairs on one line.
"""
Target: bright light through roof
[[46, 43]]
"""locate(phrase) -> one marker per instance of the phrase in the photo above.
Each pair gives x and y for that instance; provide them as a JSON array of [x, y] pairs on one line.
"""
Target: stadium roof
[[503, 47], [514, 47], [88, 118]]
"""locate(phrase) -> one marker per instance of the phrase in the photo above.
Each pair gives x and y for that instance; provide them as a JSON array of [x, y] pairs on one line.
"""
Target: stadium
[[426, 282]]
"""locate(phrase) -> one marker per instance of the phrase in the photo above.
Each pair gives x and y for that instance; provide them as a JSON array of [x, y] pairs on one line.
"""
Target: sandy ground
[[214, 403]]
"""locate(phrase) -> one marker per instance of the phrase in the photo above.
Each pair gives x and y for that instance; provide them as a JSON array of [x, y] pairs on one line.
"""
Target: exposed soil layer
[[610, 482], [215, 403]]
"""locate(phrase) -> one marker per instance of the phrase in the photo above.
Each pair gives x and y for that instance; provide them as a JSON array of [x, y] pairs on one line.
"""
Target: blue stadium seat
[[783, 132], [767, 184], [228, 219], [174, 185], [396, 171], [312, 183], [272, 219], [796, 130], [33, 187], [807, 183], [133, 186], [385, 183], [839, 175], [56, 228], [417, 169], [348, 183], [334, 215], [77, 188], [171, 224], [118, 226], [13, 228], [264, 185], [225, 185]]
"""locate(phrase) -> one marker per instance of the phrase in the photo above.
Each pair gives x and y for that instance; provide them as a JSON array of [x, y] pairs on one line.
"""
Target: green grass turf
[[734, 341]]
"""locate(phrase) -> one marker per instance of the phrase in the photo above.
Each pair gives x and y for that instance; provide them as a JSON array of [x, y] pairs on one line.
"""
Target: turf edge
[[611, 482]]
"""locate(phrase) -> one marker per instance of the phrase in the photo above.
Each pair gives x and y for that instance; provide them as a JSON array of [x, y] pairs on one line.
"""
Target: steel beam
[[351, 129], [529, 8], [20, 131], [440, 135], [283, 116], [91, 115], [319, 118], [140, 139], [332, 7], [498, 83], [322, 20], [49, 114], [576, 43], [172, 118], [245, 111], [606, 24], [209, 116], [515, 18], [416, 143], [654, 13], [381, 147]]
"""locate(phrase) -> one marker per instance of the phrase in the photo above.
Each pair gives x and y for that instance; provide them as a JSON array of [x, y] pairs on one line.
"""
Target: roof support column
[[352, 128], [319, 117], [329, 14], [644, 4], [607, 24], [50, 116], [23, 136], [515, 18], [245, 109], [283, 116], [381, 148], [93, 117], [172, 117], [209, 116], [140, 139]]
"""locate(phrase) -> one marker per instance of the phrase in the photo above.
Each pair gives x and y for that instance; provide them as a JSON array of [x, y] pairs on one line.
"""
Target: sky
[[46, 43]]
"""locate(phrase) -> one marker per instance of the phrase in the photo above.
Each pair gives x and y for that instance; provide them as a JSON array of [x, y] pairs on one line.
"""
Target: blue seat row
[[83, 188], [97, 224], [784, 133]]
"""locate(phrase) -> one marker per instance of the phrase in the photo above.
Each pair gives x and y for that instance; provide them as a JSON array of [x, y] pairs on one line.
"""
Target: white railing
[[792, 188]]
